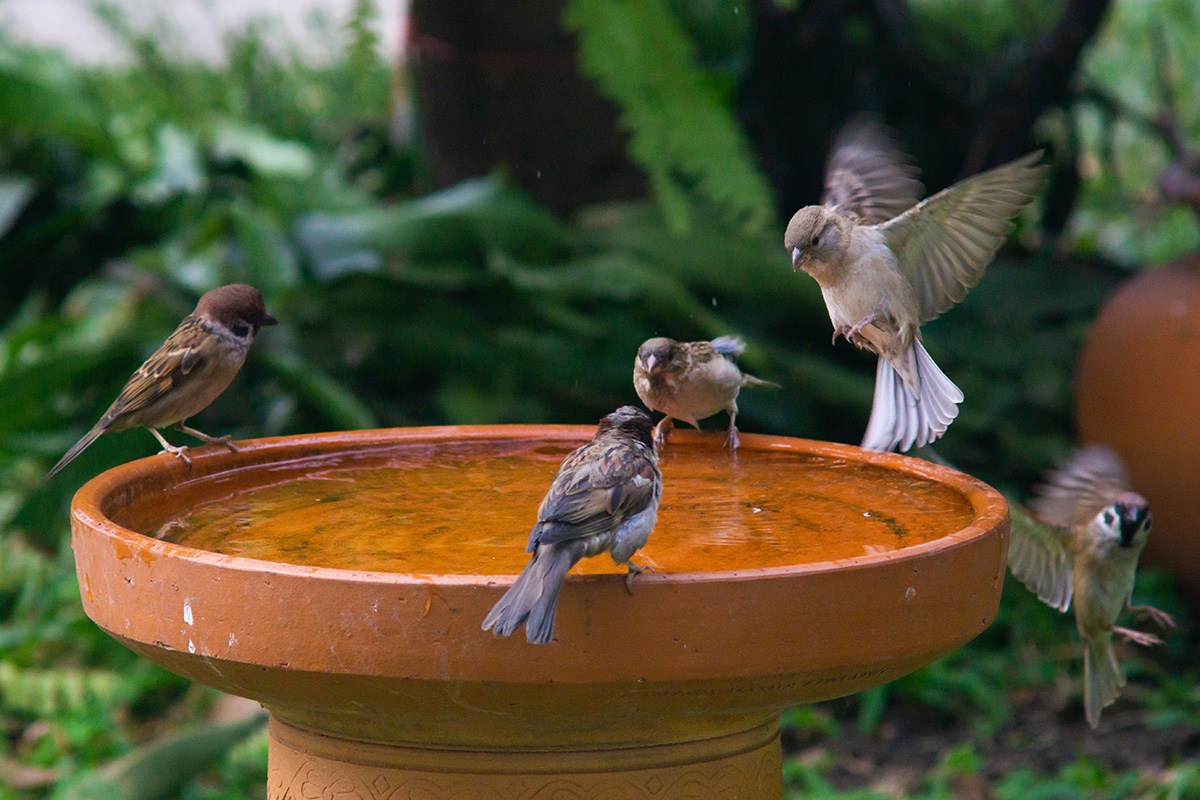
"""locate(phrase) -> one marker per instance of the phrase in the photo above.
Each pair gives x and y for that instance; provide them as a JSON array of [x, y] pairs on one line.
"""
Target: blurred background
[[474, 212]]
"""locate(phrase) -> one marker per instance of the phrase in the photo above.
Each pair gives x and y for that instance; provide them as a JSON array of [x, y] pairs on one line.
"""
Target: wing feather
[[184, 351], [1039, 556], [944, 242], [868, 175], [1088, 480], [597, 487]]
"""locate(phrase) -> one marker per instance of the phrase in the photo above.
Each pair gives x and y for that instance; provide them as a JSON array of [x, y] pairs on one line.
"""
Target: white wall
[[197, 24]]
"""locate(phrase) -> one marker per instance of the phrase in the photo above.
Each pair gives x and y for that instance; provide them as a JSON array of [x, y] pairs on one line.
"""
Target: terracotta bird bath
[[340, 579]]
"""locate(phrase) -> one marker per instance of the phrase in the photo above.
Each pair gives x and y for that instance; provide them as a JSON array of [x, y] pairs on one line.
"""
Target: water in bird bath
[[466, 508]]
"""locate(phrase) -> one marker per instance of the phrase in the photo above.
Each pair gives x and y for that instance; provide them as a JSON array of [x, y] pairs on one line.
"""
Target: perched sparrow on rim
[[1082, 542], [689, 381], [194, 365], [883, 273], [605, 497]]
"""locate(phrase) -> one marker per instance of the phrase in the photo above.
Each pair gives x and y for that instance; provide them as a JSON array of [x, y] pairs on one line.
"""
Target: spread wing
[[868, 175], [1087, 481], [944, 242], [183, 352], [598, 486], [1039, 557]]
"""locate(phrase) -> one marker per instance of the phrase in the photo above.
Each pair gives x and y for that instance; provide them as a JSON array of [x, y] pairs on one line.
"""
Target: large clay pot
[[1137, 389], [380, 683]]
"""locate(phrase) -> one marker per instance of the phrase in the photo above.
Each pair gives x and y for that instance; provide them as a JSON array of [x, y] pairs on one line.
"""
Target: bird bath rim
[[988, 505], [384, 679]]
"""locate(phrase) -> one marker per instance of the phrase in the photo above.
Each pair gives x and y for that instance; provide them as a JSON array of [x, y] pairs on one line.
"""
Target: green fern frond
[[53, 691], [682, 134]]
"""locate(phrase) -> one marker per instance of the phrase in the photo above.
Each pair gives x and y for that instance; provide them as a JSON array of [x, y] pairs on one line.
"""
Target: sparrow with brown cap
[[192, 367], [690, 381], [1081, 544], [887, 264], [604, 499]]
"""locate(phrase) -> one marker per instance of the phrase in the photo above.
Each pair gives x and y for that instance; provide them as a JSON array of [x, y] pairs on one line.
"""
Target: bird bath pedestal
[[341, 579]]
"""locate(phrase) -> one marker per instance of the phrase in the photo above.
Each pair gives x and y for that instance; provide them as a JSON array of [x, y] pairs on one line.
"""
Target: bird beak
[[267, 319], [797, 254], [651, 361]]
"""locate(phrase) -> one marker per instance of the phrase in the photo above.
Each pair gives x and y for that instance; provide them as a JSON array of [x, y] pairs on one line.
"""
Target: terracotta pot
[[383, 681], [1137, 388]]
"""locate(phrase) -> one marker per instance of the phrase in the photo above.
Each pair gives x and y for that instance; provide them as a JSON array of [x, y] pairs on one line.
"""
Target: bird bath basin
[[340, 579]]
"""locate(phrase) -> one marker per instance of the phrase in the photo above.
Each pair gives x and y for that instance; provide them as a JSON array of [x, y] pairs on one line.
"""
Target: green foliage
[[160, 769], [125, 193], [682, 134], [995, 25], [1120, 212]]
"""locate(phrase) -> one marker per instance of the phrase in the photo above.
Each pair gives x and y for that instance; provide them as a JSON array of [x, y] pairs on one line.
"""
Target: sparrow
[[604, 498], [690, 381], [885, 266], [1081, 542], [191, 368]]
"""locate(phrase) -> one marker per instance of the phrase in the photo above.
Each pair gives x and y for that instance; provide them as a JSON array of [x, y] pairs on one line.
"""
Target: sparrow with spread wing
[[689, 381], [191, 368], [1081, 544], [884, 271], [604, 498]]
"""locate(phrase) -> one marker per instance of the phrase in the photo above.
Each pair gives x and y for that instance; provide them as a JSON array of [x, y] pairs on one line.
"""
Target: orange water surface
[[466, 508]]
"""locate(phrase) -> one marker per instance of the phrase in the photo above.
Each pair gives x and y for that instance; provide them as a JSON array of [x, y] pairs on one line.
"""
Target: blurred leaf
[[14, 194], [160, 769], [338, 404], [261, 151], [682, 133]]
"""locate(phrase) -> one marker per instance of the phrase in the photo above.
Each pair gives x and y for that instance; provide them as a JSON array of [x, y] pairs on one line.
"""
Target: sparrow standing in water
[[884, 271], [689, 381], [605, 497], [1082, 543], [194, 365]]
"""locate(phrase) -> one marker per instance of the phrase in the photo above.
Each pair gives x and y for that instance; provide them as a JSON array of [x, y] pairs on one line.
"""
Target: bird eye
[[816, 240], [240, 330]]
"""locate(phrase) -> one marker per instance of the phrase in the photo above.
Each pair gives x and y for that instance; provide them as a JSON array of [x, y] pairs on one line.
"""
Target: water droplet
[[910, 593]]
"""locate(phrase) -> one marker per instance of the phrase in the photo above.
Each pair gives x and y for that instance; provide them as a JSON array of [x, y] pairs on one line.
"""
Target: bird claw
[[731, 438], [1138, 637], [853, 333], [634, 571], [1160, 618], [179, 452], [661, 430], [227, 441]]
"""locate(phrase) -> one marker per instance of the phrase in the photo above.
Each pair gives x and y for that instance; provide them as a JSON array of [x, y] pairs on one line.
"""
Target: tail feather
[[902, 419], [750, 380], [1102, 675], [729, 345], [533, 597], [78, 448]]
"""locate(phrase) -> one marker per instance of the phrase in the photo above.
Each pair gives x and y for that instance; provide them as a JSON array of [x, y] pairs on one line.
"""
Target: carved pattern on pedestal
[[296, 776]]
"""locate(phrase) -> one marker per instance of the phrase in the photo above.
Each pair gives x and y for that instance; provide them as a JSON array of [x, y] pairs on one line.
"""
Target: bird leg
[[661, 430], [854, 329], [1160, 618], [178, 452], [634, 571], [225, 440], [1138, 637], [731, 436]]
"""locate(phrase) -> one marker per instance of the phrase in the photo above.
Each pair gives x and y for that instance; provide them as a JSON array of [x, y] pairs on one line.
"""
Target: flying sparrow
[[690, 381], [884, 271], [604, 498], [1082, 543], [191, 368]]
